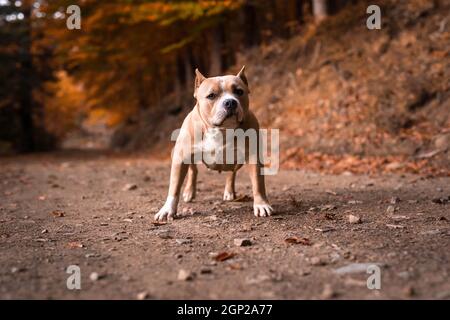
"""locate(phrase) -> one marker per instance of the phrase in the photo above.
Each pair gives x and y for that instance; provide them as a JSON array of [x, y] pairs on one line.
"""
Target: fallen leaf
[[243, 198], [297, 240], [75, 245], [58, 213], [224, 256], [234, 266]]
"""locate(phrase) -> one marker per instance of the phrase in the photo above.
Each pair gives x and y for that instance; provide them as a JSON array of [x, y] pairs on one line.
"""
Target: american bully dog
[[222, 105]]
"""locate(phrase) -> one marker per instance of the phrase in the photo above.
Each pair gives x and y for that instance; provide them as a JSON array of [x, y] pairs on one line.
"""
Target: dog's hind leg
[[191, 184]]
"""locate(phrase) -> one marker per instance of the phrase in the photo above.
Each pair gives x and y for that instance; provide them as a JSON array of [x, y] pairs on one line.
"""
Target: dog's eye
[[238, 92], [211, 96]]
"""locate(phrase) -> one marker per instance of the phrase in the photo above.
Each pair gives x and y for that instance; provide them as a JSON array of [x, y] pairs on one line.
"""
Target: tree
[[320, 9], [25, 68]]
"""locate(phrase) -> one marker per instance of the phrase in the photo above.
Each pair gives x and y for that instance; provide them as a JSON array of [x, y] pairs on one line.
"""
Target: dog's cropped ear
[[241, 74], [199, 78]]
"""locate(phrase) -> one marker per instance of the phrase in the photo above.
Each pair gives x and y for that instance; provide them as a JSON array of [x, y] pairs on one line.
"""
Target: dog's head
[[223, 101]]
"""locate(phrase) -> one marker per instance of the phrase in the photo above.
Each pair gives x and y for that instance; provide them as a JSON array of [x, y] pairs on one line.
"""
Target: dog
[[222, 103]]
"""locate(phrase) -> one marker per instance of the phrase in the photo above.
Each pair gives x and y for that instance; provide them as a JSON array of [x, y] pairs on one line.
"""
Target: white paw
[[228, 196], [168, 211], [262, 210], [188, 195]]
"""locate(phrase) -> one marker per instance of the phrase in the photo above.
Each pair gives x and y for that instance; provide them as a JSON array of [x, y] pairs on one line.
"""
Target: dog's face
[[223, 101]]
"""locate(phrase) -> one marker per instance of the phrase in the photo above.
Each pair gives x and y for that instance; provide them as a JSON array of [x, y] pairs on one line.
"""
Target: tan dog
[[222, 103]]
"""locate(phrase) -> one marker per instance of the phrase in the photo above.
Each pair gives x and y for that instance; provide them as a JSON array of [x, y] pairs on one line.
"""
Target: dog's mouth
[[220, 118]]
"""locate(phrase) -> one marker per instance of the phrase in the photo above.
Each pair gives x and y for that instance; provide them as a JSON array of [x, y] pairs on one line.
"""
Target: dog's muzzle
[[230, 106]]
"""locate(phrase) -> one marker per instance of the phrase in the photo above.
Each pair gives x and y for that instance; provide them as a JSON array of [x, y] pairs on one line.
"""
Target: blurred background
[[346, 99]]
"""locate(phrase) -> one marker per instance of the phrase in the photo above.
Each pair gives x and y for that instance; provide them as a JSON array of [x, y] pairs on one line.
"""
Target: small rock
[[242, 242], [409, 292], [44, 231], [354, 202], [129, 187], [317, 261], [443, 200], [395, 226], [205, 271], [183, 241], [258, 279], [17, 269], [394, 200], [163, 234], [128, 220], [325, 229], [399, 218], [328, 292], [188, 211], [390, 210], [353, 219], [142, 295], [94, 276], [184, 275]]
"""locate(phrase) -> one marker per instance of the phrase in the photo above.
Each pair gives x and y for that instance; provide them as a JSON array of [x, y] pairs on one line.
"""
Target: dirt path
[[108, 230]]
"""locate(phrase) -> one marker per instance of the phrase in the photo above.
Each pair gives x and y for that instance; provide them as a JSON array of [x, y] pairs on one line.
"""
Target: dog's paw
[[188, 195], [262, 210], [168, 211], [228, 196]]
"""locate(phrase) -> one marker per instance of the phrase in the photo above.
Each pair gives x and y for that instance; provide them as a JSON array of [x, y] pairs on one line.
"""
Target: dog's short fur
[[222, 103]]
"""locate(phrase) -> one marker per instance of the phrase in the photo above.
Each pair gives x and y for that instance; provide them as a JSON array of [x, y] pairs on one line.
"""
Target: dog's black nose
[[230, 105]]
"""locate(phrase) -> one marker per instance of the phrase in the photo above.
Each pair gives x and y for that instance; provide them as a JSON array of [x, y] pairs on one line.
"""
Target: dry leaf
[[297, 240], [74, 245], [235, 266], [58, 213], [224, 256], [244, 198]]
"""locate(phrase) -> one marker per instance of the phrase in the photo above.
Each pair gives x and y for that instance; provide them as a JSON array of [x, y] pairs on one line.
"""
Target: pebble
[[94, 276], [390, 210], [328, 292], [353, 219], [317, 261], [183, 241], [205, 271], [242, 242], [184, 275], [394, 200], [142, 295], [129, 187]]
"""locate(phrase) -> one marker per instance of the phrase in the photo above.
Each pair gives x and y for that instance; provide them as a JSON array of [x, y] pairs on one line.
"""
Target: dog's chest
[[218, 153]]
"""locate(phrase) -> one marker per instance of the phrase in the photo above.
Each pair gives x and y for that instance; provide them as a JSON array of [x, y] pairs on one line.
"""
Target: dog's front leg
[[177, 175], [261, 206]]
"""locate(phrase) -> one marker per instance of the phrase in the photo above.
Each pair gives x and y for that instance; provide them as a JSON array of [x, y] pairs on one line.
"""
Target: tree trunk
[[320, 9], [250, 26], [299, 11], [26, 88], [188, 63], [215, 61]]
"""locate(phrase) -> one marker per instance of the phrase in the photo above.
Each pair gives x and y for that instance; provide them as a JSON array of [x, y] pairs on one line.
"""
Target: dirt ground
[[64, 209]]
